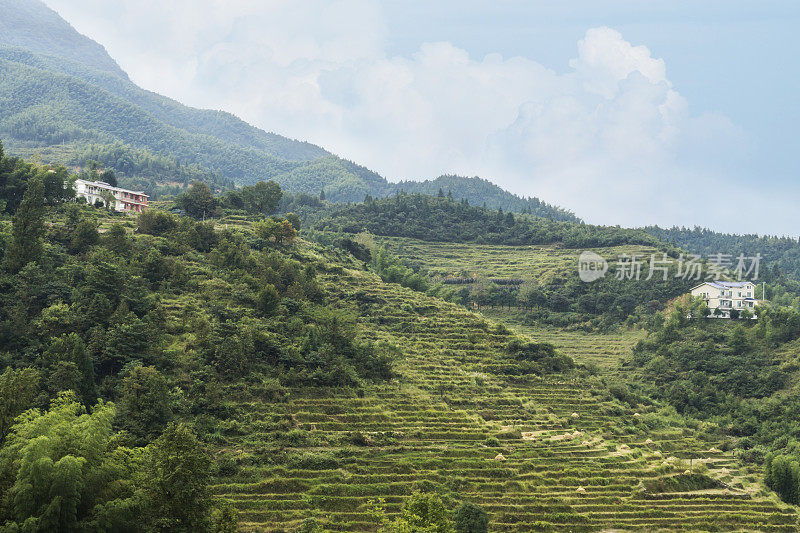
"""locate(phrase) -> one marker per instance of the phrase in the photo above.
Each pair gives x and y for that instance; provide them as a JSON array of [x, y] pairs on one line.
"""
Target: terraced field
[[606, 350], [542, 262], [553, 453]]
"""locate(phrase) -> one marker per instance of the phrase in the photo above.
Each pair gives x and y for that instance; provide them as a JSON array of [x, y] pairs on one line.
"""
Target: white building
[[726, 296], [124, 200]]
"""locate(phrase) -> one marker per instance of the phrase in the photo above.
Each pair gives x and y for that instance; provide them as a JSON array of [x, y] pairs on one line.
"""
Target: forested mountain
[[479, 191], [46, 101], [64, 98]]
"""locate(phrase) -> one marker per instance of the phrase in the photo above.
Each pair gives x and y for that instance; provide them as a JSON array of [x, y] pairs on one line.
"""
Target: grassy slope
[[429, 431]]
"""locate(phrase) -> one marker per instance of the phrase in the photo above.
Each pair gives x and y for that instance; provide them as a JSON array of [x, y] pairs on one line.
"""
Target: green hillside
[[31, 25], [478, 191], [46, 106], [226, 375]]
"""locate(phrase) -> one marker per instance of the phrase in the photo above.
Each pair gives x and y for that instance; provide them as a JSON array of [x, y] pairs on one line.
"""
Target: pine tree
[[28, 228]]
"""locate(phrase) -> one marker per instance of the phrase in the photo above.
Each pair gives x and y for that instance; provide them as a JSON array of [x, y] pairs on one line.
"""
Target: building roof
[[719, 284], [104, 185]]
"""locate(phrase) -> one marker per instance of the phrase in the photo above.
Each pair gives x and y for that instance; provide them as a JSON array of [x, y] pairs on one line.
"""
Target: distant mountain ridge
[[479, 191], [63, 97]]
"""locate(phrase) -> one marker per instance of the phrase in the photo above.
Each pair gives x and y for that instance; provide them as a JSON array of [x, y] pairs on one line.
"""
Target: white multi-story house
[[124, 200], [722, 297]]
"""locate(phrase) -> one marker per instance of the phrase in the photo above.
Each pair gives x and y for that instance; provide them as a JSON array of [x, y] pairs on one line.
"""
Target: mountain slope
[[32, 25], [62, 97]]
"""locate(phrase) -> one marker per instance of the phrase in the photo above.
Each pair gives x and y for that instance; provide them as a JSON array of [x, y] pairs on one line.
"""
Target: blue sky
[[626, 112], [739, 59]]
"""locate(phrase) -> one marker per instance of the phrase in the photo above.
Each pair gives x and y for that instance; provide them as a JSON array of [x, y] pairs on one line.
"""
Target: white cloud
[[611, 138]]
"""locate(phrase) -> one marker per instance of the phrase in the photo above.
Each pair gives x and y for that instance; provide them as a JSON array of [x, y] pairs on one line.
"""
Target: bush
[[470, 518], [156, 223], [268, 301], [310, 525], [782, 474]]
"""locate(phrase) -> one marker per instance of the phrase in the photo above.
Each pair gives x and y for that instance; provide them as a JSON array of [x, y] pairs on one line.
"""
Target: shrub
[[470, 518], [310, 525], [268, 301], [156, 223]]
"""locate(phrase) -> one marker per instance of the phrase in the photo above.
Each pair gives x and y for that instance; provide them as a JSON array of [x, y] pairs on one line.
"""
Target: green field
[[575, 459]]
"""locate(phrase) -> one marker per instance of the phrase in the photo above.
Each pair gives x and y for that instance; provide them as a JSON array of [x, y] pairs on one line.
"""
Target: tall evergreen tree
[[28, 228]]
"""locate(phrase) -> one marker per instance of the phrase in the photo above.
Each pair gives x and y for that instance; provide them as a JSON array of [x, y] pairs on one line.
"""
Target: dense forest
[[85, 322], [444, 219]]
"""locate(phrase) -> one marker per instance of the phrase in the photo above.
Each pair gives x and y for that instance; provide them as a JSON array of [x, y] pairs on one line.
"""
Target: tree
[[84, 235], [178, 472], [279, 231], [421, 513], [198, 201], [116, 240], [530, 295], [470, 518], [263, 197], [70, 348], [144, 405], [109, 201], [225, 519], [155, 222], [28, 228], [294, 220], [737, 340], [18, 388], [268, 300], [61, 471]]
